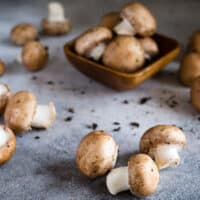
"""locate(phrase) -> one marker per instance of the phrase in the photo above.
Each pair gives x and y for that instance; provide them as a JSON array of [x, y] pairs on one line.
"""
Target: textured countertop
[[43, 167]]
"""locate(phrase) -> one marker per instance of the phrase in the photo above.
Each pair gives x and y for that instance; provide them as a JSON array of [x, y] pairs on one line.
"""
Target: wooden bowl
[[169, 49]]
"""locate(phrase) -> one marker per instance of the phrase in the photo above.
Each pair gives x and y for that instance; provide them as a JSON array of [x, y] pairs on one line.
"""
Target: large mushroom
[[23, 112], [195, 42], [124, 53], [141, 177], [92, 43], [7, 144], [163, 143], [189, 68], [195, 93], [136, 19], [56, 23], [96, 154], [5, 94]]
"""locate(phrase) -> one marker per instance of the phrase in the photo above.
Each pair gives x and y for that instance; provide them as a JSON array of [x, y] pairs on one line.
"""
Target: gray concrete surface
[[44, 168]]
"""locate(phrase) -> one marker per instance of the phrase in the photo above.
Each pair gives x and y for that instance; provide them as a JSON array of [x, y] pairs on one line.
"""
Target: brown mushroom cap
[[34, 56], [20, 111], [195, 93], [124, 54], [56, 27], [7, 150], [161, 134], [141, 18], [23, 33], [91, 38], [5, 94], [190, 68], [143, 175], [195, 42], [96, 154], [2, 67], [110, 20]]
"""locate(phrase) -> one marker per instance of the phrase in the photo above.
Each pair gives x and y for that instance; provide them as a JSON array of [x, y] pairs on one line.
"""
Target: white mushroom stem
[[117, 180], [124, 28], [56, 12], [3, 137], [96, 52], [167, 155], [19, 59], [3, 89], [44, 116], [147, 56]]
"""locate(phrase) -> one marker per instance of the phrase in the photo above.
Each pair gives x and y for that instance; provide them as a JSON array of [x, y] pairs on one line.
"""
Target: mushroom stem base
[[117, 180], [55, 12]]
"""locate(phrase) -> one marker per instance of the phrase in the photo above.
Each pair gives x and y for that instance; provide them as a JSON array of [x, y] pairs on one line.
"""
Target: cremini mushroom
[[56, 23], [124, 53], [163, 143], [189, 68], [23, 112], [110, 20], [96, 154], [136, 19], [23, 33], [194, 43], [34, 56], [5, 94], [7, 144], [141, 177], [150, 47], [2, 67], [195, 93], [92, 43]]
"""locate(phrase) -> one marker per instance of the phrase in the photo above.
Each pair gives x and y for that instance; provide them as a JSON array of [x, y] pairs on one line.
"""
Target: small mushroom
[[150, 47], [124, 54], [195, 42], [23, 33], [136, 19], [56, 23], [141, 177], [110, 20], [2, 67], [92, 43], [5, 94], [163, 143], [195, 93], [189, 68], [96, 154], [7, 144], [23, 112], [34, 56]]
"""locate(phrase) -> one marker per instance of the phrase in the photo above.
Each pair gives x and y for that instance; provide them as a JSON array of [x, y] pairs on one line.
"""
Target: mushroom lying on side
[[92, 43], [23, 33], [7, 144], [34, 56], [23, 112], [124, 53], [195, 93], [141, 177], [56, 23], [194, 44], [96, 154], [163, 143], [136, 19], [2, 67], [189, 68], [5, 94]]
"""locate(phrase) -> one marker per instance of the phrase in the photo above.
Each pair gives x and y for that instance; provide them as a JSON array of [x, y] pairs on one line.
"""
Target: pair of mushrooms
[[125, 52], [159, 146]]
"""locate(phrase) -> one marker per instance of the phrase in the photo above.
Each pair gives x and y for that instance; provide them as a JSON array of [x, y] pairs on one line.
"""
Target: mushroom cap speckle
[[5, 94], [143, 175], [23, 33], [34, 56], [91, 38], [195, 93], [189, 68], [162, 135], [56, 27], [96, 154], [8, 149], [141, 18], [110, 20], [124, 54], [2, 67], [195, 42], [20, 111]]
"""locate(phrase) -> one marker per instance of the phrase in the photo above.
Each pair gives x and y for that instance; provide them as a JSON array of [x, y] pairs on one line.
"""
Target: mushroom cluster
[[122, 40]]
